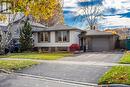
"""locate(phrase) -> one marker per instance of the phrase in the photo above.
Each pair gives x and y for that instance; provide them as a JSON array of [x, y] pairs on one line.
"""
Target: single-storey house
[[57, 38], [95, 40]]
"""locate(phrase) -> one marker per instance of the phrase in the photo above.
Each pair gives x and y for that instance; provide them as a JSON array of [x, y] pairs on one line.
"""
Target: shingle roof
[[36, 24], [3, 28], [55, 28], [38, 29], [61, 27], [97, 33]]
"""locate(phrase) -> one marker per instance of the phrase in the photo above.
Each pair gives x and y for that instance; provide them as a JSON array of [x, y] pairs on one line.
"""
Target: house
[[60, 37], [16, 29], [16, 26], [15, 32], [57, 38], [128, 33], [124, 33], [95, 40], [124, 37]]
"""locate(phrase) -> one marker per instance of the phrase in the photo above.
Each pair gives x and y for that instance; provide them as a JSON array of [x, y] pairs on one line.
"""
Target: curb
[[60, 80]]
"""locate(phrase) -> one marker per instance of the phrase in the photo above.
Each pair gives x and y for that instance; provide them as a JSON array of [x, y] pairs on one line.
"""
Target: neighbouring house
[[15, 32], [124, 33], [128, 33], [57, 38], [15, 29], [124, 37], [95, 40]]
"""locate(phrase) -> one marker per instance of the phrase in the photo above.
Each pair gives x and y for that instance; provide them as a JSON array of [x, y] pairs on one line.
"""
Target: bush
[[74, 47]]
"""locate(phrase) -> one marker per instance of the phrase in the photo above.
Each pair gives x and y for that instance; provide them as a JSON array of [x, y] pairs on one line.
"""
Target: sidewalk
[[71, 62]]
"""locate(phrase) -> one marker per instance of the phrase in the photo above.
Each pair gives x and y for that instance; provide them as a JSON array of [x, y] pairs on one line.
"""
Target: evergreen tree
[[26, 37]]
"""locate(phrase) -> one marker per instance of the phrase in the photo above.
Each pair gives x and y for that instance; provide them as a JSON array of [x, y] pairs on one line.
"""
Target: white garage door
[[100, 44]]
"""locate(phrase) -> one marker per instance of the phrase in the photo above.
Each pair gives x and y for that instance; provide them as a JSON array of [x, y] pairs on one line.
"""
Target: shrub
[[74, 47]]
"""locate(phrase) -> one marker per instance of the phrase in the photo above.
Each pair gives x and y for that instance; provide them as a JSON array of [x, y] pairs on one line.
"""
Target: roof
[[39, 29], [62, 27], [35, 24], [97, 33], [55, 28], [3, 28], [118, 29]]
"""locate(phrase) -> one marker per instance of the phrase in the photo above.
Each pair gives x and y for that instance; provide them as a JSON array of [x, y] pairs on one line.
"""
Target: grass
[[34, 55], [11, 65], [125, 59], [116, 75]]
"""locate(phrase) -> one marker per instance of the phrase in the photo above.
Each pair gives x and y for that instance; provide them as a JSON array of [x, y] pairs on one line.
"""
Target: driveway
[[82, 70], [108, 57], [79, 73]]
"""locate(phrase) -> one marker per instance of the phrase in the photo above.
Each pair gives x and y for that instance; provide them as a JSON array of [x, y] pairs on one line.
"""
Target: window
[[62, 36], [46, 36], [43, 37], [0, 38], [59, 38], [65, 36], [40, 37], [5, 6]]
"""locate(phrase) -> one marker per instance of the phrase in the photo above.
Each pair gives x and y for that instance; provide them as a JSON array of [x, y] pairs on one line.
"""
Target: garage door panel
[[100, 44]]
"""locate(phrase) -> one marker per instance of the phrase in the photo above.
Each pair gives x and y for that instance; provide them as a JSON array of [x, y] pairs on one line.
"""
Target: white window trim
[[62, 36], [49, 38]]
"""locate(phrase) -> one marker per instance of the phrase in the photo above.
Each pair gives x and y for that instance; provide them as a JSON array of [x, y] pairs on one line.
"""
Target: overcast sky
[[116, 14]]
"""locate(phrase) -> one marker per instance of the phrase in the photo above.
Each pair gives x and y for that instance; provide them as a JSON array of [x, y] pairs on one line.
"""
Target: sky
[[116, 14]]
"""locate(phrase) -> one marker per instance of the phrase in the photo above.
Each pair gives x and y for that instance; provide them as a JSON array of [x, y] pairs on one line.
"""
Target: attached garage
[[100, 44], [100, 41]]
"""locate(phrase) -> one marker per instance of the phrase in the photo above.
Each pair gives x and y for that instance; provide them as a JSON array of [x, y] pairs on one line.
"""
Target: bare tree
[[89, 11], [4, 41]]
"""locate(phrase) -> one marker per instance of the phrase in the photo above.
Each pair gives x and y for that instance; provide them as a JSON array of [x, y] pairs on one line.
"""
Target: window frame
[[43, 35], [62, 36], [7, 3], [1, 38]]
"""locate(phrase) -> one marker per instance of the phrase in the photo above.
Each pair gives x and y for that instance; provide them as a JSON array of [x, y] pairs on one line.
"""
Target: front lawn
[[116, 75], [125, 59], [11, 65], [34, 55]]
